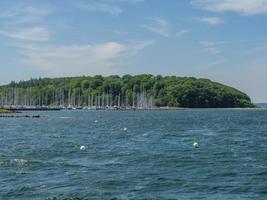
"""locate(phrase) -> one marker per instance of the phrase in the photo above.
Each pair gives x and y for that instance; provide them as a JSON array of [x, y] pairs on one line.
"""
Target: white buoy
[[82, 148], [125, 129], [195, 145]]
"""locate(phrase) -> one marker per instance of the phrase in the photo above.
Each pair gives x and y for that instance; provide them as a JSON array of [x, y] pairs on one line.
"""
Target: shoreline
[[14, 110]]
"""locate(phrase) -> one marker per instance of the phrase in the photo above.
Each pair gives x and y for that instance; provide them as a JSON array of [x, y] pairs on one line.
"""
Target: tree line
[[169, 91]]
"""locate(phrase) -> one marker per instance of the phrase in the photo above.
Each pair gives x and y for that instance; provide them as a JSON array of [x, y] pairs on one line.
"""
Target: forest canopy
[[169, 91]]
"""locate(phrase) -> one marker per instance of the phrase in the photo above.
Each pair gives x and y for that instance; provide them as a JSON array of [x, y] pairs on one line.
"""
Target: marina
[[19, 100]]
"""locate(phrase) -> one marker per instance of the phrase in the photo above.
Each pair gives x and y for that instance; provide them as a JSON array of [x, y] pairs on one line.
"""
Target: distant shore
[[17, 109]]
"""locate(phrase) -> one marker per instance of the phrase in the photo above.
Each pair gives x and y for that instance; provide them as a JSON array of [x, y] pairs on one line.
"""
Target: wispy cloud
[[80, 59], [94, 6], [120, 32], [211, 20], [211, 47], [72, 59], [107, 6], [246, 7], [181, 33], [159, 26], [216, 63], [137, 46], [25, 22], [162, 27], [34, 34], [23, 13], [125, 1]]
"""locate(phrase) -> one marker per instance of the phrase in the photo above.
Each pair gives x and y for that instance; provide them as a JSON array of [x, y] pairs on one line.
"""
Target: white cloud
[[74, 59], [34, 34], [99, 7], [247, 7], [211, 20], [68, 60]]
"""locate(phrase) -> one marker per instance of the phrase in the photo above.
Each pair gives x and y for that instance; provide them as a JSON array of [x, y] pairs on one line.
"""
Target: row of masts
[[17, 97]]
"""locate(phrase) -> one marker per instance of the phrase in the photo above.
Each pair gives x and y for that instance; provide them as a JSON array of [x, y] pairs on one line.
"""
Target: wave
[[17, 162]]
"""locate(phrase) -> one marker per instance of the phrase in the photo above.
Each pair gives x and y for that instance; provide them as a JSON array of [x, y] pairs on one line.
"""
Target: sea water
[[153, 159]]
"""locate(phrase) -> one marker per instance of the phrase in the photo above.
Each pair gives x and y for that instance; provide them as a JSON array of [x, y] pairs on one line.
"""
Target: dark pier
[[34, 109], [19, 116]]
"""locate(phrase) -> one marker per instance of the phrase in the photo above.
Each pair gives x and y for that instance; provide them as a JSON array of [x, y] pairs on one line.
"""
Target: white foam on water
[[20, 161]]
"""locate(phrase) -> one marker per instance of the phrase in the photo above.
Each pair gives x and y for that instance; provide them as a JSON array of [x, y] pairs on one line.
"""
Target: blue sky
[[224, 40]]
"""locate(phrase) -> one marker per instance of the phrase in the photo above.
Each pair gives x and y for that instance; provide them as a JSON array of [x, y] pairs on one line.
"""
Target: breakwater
[[19, 116]]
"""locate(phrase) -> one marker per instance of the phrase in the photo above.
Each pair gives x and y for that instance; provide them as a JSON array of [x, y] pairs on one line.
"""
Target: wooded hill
[[169, 91]]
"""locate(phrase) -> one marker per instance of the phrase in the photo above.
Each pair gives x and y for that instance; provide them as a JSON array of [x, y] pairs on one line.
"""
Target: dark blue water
[[154, 159]]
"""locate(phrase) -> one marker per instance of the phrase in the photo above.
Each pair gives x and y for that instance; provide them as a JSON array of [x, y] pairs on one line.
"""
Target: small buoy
[[125, 129], [82, 148], [195, 145]]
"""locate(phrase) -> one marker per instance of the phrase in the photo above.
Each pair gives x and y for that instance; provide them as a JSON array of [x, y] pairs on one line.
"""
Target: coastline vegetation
[[168, 91], [4, 111]]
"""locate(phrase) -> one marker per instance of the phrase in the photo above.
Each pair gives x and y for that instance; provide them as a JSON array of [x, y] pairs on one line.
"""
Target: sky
[[223, 40]]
